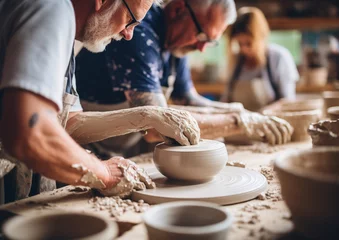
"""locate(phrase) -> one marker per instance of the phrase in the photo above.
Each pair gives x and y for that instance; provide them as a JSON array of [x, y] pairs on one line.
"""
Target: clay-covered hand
[[126, 176], [258, 127], [178, 125]]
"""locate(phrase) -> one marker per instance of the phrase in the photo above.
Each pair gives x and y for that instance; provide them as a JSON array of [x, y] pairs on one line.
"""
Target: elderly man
[[38, 92], [152, 67]]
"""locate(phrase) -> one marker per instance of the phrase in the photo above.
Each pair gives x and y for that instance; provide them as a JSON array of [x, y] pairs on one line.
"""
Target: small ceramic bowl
[[197, 163], [60, 226], [187, 221], [333, 112], [310, 187]]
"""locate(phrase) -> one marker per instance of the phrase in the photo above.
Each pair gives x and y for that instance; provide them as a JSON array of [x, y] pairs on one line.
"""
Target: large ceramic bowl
[[60, 226], [187, 221], [191, 163], [310, 187]]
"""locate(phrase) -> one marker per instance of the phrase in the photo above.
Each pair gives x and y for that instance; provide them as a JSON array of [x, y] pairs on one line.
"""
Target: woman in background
[[260, 73]]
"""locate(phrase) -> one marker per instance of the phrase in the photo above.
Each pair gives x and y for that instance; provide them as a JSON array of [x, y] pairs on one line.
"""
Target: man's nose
[[127, 34]]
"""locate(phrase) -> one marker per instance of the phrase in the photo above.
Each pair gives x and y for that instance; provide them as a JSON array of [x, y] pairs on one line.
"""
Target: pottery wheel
[[231, 185]]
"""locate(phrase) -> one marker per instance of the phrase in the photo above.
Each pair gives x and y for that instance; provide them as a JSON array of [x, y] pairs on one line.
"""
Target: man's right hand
[[258, 127], [175, 124], [124, 177]]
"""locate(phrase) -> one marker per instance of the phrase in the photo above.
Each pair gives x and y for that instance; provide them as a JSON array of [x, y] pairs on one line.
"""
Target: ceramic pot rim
[[330, 94], [222, 225], [111, 227], [283, 113], [281, 163]]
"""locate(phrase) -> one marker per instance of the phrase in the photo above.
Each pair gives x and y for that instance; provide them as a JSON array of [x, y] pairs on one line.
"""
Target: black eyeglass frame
[[134, 21], [201, 36]]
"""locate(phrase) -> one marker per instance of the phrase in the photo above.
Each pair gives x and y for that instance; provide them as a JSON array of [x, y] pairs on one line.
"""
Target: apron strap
[[235, 77], [274, 85]]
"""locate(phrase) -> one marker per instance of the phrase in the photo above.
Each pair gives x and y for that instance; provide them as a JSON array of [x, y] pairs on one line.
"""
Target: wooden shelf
[[315, 23], [218, 89], [210, 88]]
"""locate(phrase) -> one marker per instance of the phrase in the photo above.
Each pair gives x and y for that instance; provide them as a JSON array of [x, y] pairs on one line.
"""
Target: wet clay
[[325, 133], [89, 178], [132, 180], [89, 127]]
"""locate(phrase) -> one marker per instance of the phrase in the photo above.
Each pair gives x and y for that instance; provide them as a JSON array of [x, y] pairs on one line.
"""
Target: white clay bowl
[[55, 225], [198, 163], [310, 187], [187, 221]]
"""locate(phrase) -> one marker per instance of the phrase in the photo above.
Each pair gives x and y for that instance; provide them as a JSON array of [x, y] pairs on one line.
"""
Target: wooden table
[[255, 219]]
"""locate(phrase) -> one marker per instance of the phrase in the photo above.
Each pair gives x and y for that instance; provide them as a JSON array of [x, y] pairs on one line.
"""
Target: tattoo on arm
[[137, 99], [33, 120]]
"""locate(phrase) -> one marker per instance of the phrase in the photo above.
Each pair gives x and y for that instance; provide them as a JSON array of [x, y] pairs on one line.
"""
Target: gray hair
[[228, 7], [117, 3]]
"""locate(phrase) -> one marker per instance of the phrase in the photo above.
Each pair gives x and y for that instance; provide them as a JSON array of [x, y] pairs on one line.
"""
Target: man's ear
[[177, 8], [98, 4]]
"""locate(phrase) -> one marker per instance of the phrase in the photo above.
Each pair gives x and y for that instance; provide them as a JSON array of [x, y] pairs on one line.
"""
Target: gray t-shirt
[[284, 72], [36, 41]]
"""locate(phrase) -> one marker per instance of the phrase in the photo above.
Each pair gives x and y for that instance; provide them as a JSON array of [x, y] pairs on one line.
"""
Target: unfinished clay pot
[[58, 225], [191, 163], [310, 188], [187, 221], [299, 119], [302, 105], [333, 112], [325, 133], [331, 99]]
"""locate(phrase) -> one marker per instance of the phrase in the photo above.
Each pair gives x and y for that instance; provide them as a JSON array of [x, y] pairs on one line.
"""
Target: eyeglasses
[[201, 36], [134, 21]]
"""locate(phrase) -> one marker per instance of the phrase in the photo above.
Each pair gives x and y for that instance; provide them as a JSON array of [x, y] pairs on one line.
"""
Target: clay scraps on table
[[263, 148], [117, 206], [268, 172]]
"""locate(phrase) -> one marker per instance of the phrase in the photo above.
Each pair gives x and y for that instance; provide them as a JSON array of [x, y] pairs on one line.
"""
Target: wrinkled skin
[[258, 127]]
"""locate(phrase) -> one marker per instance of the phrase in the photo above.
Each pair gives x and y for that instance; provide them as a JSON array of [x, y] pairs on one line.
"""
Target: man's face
[[110, 21], [181, 36]]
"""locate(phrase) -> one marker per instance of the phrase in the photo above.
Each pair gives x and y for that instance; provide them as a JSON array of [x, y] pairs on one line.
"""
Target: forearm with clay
[[89, 127], [33, 135], [217, 125]]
